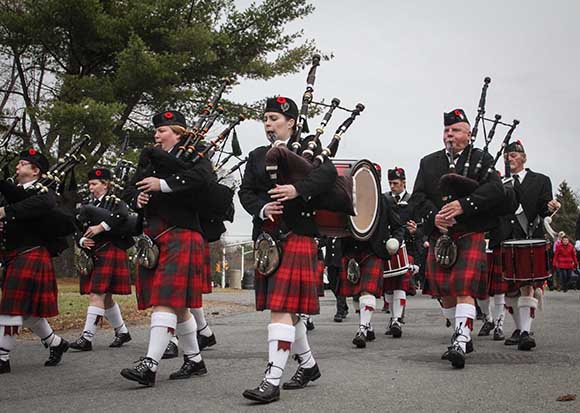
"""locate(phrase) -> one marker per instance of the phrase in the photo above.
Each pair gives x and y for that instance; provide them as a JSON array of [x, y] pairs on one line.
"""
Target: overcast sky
[[410, 61]]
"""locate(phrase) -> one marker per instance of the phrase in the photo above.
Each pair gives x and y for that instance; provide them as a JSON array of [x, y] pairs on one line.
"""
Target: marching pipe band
[[296, 191]]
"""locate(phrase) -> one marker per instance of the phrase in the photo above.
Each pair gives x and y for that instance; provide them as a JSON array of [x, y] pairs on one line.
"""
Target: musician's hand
[[150, 184], [443, 224], [93, 231], [412, 227], [273, 208], [451, 210], [2, 213], [283, 193], [142, 199], [88, 243], [553, 205]]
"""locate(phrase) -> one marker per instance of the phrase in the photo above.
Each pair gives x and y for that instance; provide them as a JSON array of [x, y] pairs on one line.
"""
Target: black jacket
[[405, 211], [32, 219], [180, 207], [533, 194], [298, 213], [477, 207], [390, 226]]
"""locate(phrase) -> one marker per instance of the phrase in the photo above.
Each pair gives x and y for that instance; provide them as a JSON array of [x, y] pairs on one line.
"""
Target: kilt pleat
[[497, 284], [110, 274], [320, 272], [207, 274], [29, 286], [177, 280], [401, 282], [371, 275], [293, 288], [468, 277]]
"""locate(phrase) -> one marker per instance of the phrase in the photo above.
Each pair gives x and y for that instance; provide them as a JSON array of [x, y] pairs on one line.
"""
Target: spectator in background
[[565, 262]]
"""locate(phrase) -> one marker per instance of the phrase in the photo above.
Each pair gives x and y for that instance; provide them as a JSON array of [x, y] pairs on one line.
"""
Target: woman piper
[[175, 284], [284, 212], [110, 274]]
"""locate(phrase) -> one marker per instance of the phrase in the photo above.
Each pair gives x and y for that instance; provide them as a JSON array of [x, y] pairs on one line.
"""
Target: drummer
[[534, 193], [362, 269]]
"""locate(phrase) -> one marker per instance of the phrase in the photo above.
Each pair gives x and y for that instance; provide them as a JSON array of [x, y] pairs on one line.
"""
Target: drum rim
[[519, 243], [365, 236]]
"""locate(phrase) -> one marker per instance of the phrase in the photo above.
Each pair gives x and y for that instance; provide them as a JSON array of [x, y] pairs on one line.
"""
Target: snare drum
[[398, 264], [525, 260], [366, 195]]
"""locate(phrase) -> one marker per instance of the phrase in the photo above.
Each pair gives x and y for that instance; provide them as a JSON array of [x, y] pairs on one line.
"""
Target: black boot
[[4, 366], [81, 344], [171, 351], [205, 342], [359, 340], [55, 355], [189, 368], [514, 339], [142, 373], [302, 377], [396, 330], [309, 324], [266, 392], [486, 328], [526, 342], [456, 356], [120, 339]]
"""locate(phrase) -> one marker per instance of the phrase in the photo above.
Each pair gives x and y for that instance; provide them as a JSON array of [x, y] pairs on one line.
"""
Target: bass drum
[[363, 178]]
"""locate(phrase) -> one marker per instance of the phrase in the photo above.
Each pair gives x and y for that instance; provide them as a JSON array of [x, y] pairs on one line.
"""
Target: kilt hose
[[29, 287], [207, 274], [468, 277], [401, 282], [177, 280], [371, 275], [496, 282], [110, 274], [293, 288]]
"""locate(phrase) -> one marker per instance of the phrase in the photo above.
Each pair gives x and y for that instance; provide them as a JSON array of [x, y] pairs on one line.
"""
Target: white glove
[[577, 245], [392, 246]]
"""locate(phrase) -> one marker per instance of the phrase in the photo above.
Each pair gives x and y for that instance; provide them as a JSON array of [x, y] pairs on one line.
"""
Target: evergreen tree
[[565, 218]]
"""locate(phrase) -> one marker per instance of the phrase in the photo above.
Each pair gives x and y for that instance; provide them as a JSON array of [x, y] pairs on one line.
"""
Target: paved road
[[404, 374]]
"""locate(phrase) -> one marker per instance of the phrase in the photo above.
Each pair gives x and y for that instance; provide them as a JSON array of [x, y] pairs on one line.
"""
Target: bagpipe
[[458, 184]]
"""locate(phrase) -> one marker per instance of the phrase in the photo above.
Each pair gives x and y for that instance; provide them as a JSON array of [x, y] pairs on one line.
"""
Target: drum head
[[366, 199]]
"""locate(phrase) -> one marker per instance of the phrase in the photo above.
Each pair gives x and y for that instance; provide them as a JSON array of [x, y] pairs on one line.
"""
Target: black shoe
[[514, 339], [171, 351], [4, 366], [396, 330], [120, 339], [309, 325], [526, 342], [205, 342], [469, 347], [447, 323], [302, 377], [338, 317], [56, 353], [189, 368], [81, 344], [359, 340], [370, 336], [142, 374], [486, 328], [266, 392], [498, 334], [456, 356]]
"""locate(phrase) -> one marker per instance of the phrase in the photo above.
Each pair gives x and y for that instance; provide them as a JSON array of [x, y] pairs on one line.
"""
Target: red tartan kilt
[[401, 282], [371, 275], [468, 277], [293, 288], [177, 280], [320, 271], [207, 274], [29, 286], [111, 272], [496, 282]]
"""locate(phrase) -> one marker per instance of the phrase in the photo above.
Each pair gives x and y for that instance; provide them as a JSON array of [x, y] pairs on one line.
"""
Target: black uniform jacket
[[477, 207], [533, 194], [298, 215], [180, 207], [405, 211], [115, 219], [32, 220]]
